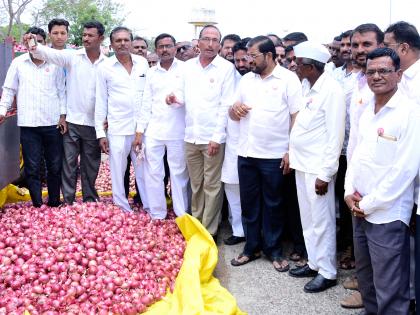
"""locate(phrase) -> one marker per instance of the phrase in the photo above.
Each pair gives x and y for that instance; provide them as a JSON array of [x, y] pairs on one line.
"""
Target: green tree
[[16, 31], [77, 12]]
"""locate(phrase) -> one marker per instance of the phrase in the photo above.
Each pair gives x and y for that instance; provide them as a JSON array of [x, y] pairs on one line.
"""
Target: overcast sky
[[256, 17]]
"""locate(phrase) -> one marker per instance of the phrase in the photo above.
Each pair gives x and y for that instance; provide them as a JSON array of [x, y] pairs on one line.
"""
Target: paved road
[[261, 290]]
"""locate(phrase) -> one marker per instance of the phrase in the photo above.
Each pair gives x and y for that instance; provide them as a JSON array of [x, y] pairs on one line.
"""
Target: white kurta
[[386, 161], [118, 99], [315, 145]]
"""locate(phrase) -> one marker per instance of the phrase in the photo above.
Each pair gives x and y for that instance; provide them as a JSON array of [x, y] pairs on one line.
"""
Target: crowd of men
[[294, 133]]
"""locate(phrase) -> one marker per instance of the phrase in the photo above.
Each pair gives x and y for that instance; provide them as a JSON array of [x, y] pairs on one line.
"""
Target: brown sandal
[[238, 261]]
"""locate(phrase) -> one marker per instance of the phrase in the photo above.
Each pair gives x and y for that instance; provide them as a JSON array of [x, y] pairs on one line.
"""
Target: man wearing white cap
[[315, 145]]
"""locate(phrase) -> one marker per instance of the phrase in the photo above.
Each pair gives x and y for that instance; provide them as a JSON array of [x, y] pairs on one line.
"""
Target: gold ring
[[354, 213]]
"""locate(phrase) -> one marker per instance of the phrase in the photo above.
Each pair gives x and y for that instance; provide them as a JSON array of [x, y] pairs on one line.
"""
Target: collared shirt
[[208, 93], [360, 97], [40, 92], [317, 135], [347, 81], [161, 121], [264, 131], [119, 95], [386, 160], [410, 82], [80, 81]]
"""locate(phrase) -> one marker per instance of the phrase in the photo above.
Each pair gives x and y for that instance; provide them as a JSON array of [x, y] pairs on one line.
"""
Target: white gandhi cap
[[312, 50]]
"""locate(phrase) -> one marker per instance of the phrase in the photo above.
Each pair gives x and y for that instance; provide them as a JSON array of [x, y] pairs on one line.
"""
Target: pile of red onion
[[103, 181], [86, 258]]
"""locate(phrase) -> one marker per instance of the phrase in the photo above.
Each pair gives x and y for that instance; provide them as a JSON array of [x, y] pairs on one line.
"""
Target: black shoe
[[233, 240], [214, 238], [302, 272], [319, 284]]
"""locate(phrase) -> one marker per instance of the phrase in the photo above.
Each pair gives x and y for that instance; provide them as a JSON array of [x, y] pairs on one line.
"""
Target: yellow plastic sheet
[[12, 194], [196, 291]]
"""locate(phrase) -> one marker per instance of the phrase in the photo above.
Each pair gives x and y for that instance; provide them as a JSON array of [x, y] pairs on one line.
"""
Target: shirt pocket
[[385, 150]]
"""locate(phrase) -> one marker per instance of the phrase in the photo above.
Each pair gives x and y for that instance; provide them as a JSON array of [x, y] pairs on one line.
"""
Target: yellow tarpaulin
[[196, 291]]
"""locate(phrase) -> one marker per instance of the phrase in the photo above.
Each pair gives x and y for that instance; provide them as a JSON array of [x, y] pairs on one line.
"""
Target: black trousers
[[37, 142], [261, 183], [417, 277]]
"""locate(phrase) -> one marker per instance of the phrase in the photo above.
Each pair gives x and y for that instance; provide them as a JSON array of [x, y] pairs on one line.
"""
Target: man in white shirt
[[40, 90], [315, 145], [119, 91], [58, 32], [365, 38], [80, 140], [230, 177], [405, 40], [380, 188], [268, 101], [208, 92], [163, 128]]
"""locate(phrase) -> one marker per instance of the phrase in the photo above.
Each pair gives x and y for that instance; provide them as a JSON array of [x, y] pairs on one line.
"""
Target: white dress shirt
[[208, 93], [317, 135], [119, 96], [40, 92], [347, 81], [409, 86], [383, 168], [80, 81], [157, 119], [361, 96], [264, 131]]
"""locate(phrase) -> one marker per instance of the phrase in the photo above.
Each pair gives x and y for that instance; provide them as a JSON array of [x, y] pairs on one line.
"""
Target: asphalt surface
[[260, 290]]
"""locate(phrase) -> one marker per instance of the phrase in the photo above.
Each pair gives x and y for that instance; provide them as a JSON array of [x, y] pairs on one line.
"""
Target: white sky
[[321, 20]]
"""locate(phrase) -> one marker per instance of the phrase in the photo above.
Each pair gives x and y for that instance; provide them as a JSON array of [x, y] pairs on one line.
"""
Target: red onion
[[88, 258]]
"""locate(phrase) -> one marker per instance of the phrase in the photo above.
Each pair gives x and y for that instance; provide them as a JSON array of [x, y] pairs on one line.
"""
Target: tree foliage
[[13, 10], [16, 31], [77, 12]]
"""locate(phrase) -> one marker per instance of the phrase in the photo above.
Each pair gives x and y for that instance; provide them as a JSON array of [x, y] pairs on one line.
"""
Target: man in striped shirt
[[40, 90]]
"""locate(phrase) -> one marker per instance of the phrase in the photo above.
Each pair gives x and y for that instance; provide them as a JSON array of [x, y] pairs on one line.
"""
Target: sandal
[[243, 259], [280, 268]]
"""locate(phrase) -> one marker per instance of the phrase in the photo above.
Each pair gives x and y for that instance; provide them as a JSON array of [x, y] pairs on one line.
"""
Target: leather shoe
[[319, 284], [233, 240], [302, 272], [214, 238], [352, 301]]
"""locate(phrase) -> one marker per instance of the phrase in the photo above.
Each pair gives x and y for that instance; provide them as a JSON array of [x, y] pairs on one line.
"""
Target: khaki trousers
[[205, 176]]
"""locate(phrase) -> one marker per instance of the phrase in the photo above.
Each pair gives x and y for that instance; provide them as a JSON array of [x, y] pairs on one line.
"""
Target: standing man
[[208, 93], [227, 44], [230, 176], [269, 99], [119, 91], [365, 39], [163, 128], [405, 40], [139, 46], [315, 145], [40, 90], [80, 140], [380, 188], [58, 32]]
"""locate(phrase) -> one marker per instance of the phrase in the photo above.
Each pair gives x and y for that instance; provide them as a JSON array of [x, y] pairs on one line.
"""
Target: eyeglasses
[[210, 40], [388, 45], [381, 72], [168, 46], [252, 57]]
